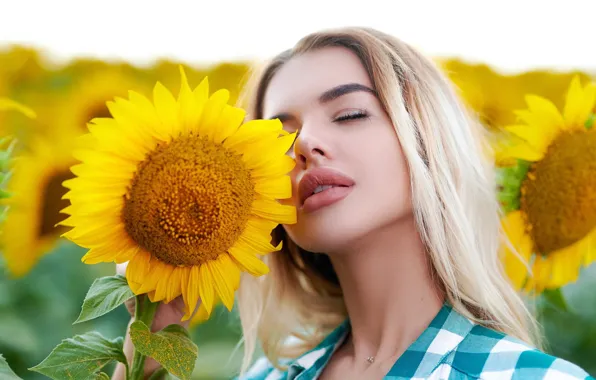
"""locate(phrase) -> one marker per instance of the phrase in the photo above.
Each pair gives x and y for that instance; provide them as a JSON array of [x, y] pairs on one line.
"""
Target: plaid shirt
[[452, 347]]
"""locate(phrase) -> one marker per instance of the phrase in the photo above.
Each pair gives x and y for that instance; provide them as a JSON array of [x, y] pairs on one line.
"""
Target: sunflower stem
[[144, 312]]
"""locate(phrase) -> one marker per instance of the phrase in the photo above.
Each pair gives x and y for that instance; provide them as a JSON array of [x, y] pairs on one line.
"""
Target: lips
[[322, 180]]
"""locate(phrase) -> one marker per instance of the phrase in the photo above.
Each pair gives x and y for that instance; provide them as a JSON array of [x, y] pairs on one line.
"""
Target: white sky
[[512, 35]]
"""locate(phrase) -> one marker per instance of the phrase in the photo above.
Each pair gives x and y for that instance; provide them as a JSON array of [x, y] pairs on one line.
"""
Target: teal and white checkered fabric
[[452, 347]]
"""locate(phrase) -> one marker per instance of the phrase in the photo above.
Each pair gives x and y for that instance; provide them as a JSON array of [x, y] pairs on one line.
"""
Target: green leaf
[[5, 371], [100, 376], [4, 194], [556, 298], [105, 294], [81, 357], [509, 182], [170, 347]]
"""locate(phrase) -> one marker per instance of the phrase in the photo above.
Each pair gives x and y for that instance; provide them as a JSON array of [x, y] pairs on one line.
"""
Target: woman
[[392, 270]]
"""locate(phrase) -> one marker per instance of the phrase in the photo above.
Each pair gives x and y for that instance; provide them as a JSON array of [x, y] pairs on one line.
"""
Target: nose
[[309, 150]]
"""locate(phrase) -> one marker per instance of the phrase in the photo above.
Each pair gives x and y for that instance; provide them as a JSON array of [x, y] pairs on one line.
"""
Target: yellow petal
[[522, 151], [88, 209], [189, 116], [133, 124], [272, 210], [279, 188], [517, 257], [248, 262], [543, 113], [223, 281], [190, 291], [536, 137], [108, 254], [152, 275], [166, 109], [173, 288], [254, 130], [206, 287], [228, 123], [113, 140], [92, 172], [161, 288], [145, 111], [262, 152], [281, 166], [588, 246], [258, 239], [579, 104], [201, 316], [97, 232], [212, 112], [117, 235], [201, 93], [7, 104], [137, 269], [86, 184], [541, 274]]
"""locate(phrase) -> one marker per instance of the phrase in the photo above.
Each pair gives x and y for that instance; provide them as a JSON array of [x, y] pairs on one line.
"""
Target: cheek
[[386, 171]]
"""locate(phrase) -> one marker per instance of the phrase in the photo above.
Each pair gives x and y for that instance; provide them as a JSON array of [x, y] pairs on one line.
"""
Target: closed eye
[[351, 115]]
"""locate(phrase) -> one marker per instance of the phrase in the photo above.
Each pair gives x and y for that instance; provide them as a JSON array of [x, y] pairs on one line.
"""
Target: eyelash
[[351, 115]]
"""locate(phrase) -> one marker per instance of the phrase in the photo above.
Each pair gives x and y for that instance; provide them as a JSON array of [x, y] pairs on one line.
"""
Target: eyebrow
[[342, 90], [332, 94]]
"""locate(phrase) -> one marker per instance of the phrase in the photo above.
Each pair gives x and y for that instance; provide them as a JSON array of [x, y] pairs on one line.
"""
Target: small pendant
[[370, 359]]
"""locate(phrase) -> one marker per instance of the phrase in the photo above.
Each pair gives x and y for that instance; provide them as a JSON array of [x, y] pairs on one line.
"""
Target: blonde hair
[[454, 201]]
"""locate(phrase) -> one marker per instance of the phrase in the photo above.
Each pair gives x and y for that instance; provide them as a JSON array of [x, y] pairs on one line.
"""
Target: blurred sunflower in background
[[549, 194], [494, 97], [7, 144], [34, 209], [183, 191], [85, 99], [20, 69]]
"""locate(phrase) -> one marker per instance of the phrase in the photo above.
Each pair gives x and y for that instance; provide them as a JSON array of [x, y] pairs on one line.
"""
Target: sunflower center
[[189, 201], [558, 195], [52, 203]]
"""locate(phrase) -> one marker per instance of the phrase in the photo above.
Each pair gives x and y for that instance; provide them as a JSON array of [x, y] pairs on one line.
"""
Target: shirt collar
[[439, 339], [446, 331]]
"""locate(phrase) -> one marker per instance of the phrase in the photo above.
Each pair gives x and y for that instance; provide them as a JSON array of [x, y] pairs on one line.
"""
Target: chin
[[325, 235]]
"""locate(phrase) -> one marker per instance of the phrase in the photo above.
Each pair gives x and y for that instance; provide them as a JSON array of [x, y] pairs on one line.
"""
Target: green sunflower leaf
[[81, 357], [171, 347], [555, 298], [4, 194], [5, 372], [105, 294], [509, 182], [100, 376]]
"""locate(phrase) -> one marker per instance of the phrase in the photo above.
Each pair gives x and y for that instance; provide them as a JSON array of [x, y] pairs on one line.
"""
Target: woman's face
[[351, 177]]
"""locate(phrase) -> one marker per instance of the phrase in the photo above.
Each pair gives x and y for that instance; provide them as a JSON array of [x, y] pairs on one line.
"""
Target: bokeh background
[[64, 60]]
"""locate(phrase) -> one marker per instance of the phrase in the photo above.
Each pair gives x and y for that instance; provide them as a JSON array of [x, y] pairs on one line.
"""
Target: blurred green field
[[37, 311]]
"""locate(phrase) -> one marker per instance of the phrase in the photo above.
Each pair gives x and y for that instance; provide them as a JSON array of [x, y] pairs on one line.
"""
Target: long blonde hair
[[453, 194]]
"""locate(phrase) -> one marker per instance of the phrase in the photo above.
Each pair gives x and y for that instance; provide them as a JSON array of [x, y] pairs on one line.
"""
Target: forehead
[[303, 78]]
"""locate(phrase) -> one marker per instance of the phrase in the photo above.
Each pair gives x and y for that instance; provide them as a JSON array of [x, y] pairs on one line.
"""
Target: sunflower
[[549, 194], [230, 76], [86, 98], [36, 201], [182, 191], [20, 66]]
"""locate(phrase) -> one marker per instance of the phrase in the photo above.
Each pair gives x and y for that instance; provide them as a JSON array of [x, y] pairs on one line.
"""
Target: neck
[[388, 291]]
